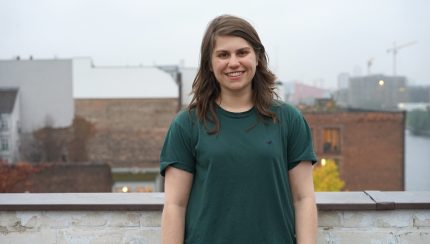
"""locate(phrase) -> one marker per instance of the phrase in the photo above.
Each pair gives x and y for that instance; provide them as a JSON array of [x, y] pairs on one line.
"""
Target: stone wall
[[115, 227], [391, 226], [353, 218], [80, 227]]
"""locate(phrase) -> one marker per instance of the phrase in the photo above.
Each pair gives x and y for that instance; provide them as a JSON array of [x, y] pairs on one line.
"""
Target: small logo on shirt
[[269, 142]]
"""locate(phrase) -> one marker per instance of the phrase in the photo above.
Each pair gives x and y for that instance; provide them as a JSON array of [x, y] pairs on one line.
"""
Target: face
[[234, 63]]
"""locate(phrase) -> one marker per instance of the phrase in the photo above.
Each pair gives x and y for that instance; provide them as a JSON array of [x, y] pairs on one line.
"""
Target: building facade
[[128, 136], [9, 125], [119, 113], [45, 100], [376, 92], [299, 93], [368, 147], [131, 109], [45, 91]]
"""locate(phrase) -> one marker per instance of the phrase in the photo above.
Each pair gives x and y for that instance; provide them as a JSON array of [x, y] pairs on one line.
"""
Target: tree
[[49, 144], [30, 148], [52, 142], [11, 175], [418, 121], [82, 131], [326, 177]]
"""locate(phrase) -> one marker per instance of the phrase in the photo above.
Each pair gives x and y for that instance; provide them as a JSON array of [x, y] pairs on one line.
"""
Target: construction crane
[[369, 65], [395, 49]]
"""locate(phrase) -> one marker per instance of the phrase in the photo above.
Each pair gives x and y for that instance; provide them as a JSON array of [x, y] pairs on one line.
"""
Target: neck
[[235, 102]]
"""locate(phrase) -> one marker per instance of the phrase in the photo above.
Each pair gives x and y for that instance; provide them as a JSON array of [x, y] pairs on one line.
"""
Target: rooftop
[[7, 99]]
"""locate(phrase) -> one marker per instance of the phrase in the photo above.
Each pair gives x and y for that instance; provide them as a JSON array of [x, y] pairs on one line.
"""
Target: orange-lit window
[[331, 140]]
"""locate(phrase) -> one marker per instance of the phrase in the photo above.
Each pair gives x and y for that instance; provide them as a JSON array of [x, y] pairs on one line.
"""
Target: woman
[[237, 163]]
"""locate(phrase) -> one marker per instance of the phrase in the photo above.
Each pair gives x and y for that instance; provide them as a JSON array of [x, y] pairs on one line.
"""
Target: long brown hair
[[205, 87]]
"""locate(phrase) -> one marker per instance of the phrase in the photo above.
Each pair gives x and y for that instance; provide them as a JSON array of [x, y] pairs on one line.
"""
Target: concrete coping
[[366, 200]]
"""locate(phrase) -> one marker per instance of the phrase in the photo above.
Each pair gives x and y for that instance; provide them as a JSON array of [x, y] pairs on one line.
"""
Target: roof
[[7, 99], [121, 81]]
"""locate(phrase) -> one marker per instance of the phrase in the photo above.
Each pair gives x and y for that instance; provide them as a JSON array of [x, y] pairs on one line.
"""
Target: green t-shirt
[[240, 191]]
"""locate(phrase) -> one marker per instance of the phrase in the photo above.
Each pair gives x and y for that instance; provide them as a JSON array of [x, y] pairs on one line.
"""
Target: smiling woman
[[234, 63], [237, 163]]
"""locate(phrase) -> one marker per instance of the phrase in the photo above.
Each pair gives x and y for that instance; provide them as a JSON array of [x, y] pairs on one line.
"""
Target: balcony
[[345, 217]]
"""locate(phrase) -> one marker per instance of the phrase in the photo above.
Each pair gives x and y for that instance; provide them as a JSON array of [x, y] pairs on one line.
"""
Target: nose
[[234, 61]]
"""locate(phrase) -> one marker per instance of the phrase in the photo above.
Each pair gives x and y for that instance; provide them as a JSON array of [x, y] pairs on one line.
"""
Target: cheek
[[256, 60], [253, 64], [217, 66]]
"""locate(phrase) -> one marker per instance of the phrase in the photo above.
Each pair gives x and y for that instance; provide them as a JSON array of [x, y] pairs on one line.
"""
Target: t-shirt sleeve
[[299, 140], [177, 149]]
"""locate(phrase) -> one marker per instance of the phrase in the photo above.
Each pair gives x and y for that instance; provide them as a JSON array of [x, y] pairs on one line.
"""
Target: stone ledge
[[367, 200], [344, 201], [81, 201], [390, 200], [373, 200]]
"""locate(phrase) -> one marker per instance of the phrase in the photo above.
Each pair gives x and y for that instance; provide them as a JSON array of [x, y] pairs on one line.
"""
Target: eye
[[222, 55], [242, 53]]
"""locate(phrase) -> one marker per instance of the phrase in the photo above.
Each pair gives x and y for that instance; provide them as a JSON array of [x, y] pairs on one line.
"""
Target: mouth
[[235, 73]]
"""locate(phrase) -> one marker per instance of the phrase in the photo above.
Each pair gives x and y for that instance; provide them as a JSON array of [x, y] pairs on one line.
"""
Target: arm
[[302, 188], [177, 190]]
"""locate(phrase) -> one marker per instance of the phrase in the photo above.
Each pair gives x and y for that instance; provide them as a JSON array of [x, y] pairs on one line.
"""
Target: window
[[4, 146], [3, 124], [331, 140]]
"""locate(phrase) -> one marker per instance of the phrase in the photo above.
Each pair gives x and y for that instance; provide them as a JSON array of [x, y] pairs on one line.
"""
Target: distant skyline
[[311, 41]]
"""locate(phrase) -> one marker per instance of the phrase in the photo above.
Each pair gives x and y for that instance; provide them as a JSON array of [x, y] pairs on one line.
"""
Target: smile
[[235, 74]]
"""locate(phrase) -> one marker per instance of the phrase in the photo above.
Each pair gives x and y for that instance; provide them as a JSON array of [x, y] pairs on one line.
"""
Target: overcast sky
[[307, 40]]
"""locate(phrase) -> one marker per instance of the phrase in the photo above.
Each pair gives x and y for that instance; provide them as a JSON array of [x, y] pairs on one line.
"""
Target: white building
[[45, 88], [9, 125], [120, 81], [184, 77], [188, 76]]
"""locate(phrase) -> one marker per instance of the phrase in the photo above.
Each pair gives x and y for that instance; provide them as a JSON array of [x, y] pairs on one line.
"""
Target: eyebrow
[[240, 49]]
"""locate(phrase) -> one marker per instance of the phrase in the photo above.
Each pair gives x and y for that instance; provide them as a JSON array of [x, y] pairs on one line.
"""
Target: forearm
[[173, 224], [306, 220]]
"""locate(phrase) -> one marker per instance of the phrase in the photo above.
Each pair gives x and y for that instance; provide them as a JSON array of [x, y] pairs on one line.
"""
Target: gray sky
[[307, 40]]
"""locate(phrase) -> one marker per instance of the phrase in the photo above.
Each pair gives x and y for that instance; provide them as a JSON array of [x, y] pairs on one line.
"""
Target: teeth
[[235, 73]]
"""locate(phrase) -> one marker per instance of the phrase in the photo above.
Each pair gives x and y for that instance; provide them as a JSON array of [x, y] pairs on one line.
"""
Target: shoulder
[[185, 119], [185, 116], [285, 110]]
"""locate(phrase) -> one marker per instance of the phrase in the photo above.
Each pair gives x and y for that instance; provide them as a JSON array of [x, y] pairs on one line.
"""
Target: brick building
[[128, 132], [367, 146], [130, 109], [128, 136]]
